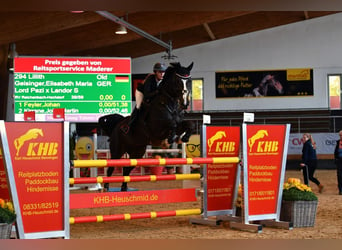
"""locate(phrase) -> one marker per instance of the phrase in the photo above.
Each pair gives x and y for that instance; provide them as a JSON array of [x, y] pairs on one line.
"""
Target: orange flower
[[2, 203]]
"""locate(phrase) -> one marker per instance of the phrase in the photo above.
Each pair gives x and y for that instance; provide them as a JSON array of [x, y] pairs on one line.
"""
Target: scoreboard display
[[85, 88]]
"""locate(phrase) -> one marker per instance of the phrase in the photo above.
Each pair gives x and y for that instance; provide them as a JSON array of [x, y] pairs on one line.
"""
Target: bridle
[[185, 91]]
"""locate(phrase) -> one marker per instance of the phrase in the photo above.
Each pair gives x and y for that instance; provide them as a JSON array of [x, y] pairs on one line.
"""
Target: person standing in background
[[309, 161], [338, 162]]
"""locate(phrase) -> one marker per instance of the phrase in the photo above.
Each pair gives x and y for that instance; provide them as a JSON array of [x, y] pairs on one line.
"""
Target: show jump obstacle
[[36, 164], [150, 197]]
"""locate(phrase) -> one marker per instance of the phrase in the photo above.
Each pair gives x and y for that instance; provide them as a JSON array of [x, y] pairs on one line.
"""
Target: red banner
[[4, 192], [38, 168], [221, 142], [265, 147], [90, 200]]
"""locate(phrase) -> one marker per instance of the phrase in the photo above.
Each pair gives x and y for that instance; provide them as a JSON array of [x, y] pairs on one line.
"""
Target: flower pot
[[5, 230], [301, 213]]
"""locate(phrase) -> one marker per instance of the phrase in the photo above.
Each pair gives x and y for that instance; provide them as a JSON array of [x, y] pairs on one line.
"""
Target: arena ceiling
[[63, 33]]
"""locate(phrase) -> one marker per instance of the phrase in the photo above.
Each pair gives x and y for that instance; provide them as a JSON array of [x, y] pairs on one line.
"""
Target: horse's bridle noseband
[[183, 76]]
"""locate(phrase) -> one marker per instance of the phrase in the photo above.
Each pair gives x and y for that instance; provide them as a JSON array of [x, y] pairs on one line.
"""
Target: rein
[[170, 108]]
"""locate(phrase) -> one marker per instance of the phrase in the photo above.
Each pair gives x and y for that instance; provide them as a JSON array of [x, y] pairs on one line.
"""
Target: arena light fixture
[[135, 29], [121, 30]]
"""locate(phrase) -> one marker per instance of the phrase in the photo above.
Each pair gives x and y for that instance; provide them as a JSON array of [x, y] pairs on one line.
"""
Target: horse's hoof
[[106, 187], [185, 138], [124, 187]]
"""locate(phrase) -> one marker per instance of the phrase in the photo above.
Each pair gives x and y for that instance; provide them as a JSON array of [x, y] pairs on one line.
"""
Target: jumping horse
[[162, 118]]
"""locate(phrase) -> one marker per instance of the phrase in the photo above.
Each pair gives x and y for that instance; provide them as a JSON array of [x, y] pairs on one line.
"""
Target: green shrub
[[294, 194], [6, 216]]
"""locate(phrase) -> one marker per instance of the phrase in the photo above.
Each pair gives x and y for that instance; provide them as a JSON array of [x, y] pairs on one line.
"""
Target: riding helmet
[[159, 67]]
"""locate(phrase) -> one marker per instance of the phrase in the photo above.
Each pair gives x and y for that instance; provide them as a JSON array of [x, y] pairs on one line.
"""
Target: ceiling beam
[[209, 31], [17, 26], [306, 14]]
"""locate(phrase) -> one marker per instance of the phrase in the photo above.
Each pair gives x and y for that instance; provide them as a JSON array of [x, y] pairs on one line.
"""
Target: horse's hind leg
[[115, 152], [136, 154], [110, 171], [126, 172]]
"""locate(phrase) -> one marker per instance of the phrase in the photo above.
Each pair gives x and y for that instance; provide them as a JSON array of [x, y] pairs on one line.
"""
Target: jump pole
[[132, 216], [148, 162], [152, 178]]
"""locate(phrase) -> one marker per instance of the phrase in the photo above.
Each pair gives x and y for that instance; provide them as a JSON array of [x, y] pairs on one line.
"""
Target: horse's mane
[[173, 70], [169, 73]]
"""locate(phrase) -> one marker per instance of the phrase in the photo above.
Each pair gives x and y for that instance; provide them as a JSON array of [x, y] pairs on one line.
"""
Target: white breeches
[[139, 97]]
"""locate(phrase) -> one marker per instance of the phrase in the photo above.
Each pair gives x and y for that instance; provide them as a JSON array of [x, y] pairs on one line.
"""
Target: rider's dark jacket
[[149, 88]]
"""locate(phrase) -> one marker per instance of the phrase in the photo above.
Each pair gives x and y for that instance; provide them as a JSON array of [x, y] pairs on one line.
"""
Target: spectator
[[309, 161], [338, 162]]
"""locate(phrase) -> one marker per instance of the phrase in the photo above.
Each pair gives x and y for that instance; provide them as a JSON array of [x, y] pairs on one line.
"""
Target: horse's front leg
[[173, 132], [172, 136], [188, 127], [126, 172]]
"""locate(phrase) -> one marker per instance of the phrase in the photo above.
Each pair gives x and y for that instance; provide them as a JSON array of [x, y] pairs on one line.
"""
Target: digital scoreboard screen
[[85, 88]]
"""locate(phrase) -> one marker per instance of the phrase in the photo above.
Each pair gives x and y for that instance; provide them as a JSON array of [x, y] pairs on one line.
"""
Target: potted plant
[[238, 202], [299, 204], [7, 217]]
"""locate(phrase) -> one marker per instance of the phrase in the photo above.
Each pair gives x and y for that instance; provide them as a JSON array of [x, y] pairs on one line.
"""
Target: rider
[[147, 90]]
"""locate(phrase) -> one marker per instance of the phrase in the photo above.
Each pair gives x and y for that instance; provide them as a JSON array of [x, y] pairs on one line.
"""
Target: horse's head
[[177, 82]]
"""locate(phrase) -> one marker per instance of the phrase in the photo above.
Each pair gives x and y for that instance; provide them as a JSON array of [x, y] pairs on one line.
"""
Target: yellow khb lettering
[[31, 149], [42, 149], [53, 148], [225, 146], [218, 147], [267, 146], [228, 146]]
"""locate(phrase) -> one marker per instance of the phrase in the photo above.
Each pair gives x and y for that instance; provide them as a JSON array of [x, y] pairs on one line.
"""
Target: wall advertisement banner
[[325, 143], [265, 83]]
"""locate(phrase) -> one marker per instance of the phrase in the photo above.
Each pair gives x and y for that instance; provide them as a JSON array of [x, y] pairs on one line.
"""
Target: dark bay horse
[[162, 118]]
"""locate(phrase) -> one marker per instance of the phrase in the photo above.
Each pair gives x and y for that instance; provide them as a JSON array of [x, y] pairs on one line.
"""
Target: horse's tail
[[108, 122]]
